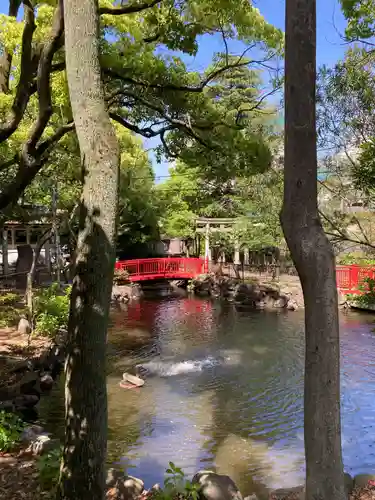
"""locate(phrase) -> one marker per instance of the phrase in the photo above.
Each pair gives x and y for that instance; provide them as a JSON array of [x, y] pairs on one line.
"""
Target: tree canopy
[[149, 89]]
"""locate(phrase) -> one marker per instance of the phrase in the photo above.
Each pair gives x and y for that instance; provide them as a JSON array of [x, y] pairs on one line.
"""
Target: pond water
[[226, 392]]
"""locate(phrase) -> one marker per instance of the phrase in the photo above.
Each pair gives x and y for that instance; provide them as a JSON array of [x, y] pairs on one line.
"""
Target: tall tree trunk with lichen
[[82, 471], [313, 258]]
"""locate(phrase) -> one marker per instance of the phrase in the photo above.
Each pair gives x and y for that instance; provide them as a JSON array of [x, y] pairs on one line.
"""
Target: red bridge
[[169, 268], [349, 278]]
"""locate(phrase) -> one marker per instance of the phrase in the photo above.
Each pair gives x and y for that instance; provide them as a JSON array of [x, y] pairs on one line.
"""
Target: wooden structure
[[164, 268], [350, 279], [208, 225], [17, 234]]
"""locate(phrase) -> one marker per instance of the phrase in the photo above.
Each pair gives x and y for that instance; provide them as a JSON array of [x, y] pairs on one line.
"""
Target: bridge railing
[[163, 267], [350, 278]]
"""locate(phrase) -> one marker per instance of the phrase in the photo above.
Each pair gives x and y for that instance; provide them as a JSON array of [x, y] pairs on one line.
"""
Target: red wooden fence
[[350, 278], [172, 268]]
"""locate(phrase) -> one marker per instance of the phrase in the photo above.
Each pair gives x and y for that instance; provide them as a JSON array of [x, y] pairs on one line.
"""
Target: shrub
[[121, 276], [51, 310], [11, 428], [177, 486], [9, 299], [368, 297], [49, 468], [9, 316]]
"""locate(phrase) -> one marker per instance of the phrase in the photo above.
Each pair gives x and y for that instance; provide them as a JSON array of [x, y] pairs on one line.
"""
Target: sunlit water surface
[[226, 392]]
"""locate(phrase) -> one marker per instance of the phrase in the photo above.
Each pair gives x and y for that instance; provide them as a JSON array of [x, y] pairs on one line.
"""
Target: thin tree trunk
[[83, 468], [31, 275], [313, 257]]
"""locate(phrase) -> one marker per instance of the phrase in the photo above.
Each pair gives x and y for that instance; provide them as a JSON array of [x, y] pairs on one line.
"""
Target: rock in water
[[122, 487], [216, 486]]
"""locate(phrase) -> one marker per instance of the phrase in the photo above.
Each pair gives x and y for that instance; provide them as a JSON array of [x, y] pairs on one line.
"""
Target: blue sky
[[330, 46]]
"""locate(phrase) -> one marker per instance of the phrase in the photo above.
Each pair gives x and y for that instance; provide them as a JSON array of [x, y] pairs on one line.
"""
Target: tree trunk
[[313, 257], [83, 468]]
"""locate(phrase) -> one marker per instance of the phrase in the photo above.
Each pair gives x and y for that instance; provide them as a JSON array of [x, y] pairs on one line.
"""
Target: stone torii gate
[[208, 225]]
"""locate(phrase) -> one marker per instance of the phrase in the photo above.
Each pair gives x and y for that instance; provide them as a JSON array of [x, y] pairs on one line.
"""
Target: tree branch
[[147, 132], [129, 9], [6, 57], [43, 83], [170, 86], [27, 173], [22, 93]]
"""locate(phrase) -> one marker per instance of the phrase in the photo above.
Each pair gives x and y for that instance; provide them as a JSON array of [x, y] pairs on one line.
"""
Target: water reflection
[[243, 415]]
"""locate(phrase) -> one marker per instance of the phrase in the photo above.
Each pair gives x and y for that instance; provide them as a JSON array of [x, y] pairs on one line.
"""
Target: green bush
[[9, 299], [368, 297], [354, 259], [11, 428], [49, 469], [10, 316], [121, 276], [51, 310], [177, 486]]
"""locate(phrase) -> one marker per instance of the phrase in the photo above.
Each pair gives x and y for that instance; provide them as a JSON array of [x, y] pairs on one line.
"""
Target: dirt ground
[[19, 478], [15, 344]]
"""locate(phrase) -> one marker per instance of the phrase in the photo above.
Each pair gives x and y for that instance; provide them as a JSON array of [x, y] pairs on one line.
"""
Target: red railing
[[350, 278], [173, 268]]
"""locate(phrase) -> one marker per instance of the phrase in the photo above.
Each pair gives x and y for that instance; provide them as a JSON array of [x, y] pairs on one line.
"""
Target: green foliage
[[209, 118], [255, 202], [349, 259], [361, 18], [49, 468], [177, 486], [9, 316], [11, 428], [51, 306], [9, 299], [367, 299], [121, 276]]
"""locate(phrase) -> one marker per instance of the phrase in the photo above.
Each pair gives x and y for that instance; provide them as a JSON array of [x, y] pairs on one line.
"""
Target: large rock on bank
[[216, 486], [120, 487]]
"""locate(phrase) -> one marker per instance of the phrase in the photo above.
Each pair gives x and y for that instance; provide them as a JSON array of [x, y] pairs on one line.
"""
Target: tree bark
[[83, 467], [313, 257]]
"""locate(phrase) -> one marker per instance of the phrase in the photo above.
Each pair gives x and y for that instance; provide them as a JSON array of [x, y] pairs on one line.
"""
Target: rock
[[251, 497], [292, 305], [261, 304], [7, 406], [46, 382], [361, 480], [122, 487], [29, 383], [25, 401], [297, 493], [216, 486], [43, 444], [248, 293], [30, 434], [24, 326], [22, 366], [281, 302]]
